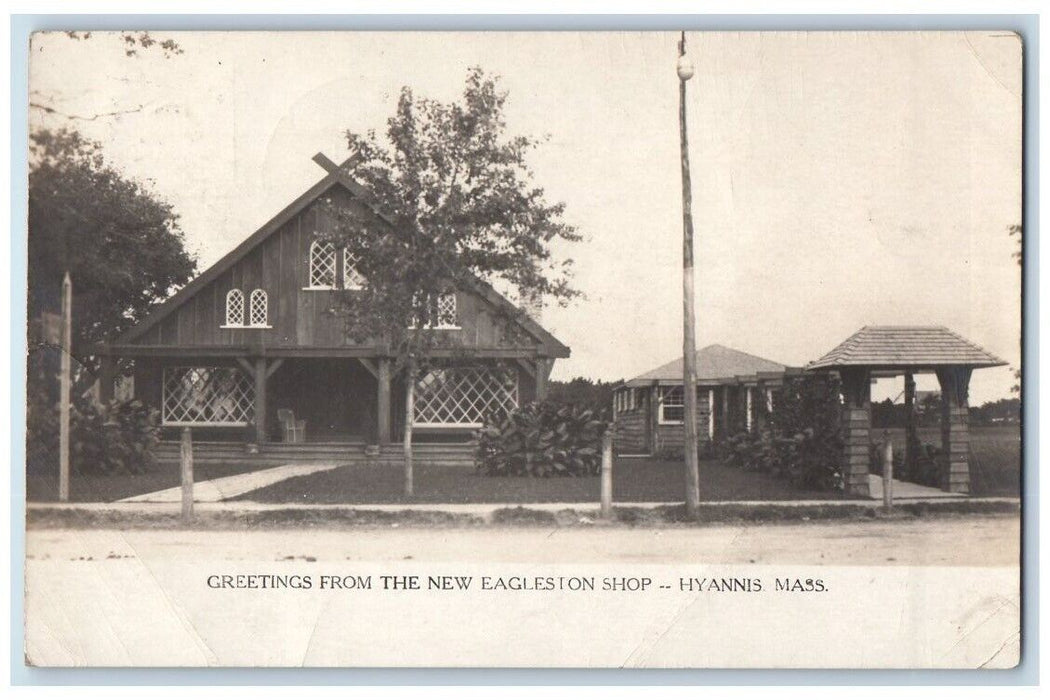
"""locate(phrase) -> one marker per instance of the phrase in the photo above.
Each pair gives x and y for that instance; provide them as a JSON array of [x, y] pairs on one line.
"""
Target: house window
[[322, 265], [257, 308], [446, 316], [461, 397], [207, 396], [352, 279], [235, 308], [443, 313], [672, 405]]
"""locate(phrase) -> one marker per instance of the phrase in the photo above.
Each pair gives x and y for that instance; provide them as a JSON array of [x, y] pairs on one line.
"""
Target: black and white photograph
[[532, 349]]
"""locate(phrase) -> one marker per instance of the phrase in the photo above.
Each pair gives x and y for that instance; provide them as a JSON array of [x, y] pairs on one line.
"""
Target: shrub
[[118, 438], [806, 438], [541, 439]]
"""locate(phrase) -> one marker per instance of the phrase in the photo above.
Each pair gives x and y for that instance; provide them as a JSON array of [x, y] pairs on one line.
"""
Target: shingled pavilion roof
[[713, 363], [906, 346]]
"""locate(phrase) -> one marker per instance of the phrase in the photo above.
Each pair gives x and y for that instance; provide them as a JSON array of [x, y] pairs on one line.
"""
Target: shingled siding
[[672, 437], [632, 431]]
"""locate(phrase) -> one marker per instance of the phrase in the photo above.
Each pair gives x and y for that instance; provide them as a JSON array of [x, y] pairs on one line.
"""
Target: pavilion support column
[[955, 429], [106, 376], [260, 400], [911, 438], [856, 429], [383, 402]]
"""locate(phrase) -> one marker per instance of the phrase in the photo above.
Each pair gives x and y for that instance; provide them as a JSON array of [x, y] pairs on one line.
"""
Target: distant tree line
[[594, 394], [886, 414]]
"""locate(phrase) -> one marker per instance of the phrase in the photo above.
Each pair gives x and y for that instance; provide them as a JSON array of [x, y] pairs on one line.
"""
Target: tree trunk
[[410, 395]]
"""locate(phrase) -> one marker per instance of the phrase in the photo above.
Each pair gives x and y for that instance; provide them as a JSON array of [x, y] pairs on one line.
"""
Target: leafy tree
[[452, 204], [121, 244], [1017, 230]]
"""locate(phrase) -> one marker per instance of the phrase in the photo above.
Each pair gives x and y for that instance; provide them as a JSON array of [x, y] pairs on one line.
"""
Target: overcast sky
[[839, 180]]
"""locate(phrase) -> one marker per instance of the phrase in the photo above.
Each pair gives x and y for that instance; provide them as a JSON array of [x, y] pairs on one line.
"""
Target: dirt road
[[943, 541]]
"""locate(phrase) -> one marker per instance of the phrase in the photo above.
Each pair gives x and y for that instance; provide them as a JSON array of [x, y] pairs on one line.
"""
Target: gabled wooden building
[[254, 337], [649, 409]]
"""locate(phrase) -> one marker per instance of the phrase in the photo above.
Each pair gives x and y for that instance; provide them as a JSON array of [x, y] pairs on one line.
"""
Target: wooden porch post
[[726, 427], [260, 401], [383, 402], [543, 369], [106, 375]]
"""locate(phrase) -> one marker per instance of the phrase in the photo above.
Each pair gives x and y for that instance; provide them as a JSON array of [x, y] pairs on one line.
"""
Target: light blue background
[[21, 27]]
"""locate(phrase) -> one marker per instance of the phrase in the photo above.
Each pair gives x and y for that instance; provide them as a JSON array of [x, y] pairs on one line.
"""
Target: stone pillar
[[955, 429], [383, 402], [856, 429]]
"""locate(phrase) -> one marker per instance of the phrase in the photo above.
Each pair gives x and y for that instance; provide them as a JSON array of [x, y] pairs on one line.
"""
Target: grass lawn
[[105, 489], [634, 481], [995, 456]]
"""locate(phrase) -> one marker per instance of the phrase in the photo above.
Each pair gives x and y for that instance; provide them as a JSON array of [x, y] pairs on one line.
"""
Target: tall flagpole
[[692, 461]]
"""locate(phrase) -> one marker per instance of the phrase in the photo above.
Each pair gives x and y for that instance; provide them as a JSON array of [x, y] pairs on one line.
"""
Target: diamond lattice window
[[441, 312], [445, 315], [235, 308], [672, 405], [352, 279], [257, 308], [463, 396], [322, 264], [207, 396]]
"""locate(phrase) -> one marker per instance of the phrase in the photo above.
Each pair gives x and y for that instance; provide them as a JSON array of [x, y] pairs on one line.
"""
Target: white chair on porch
[[292, 430]]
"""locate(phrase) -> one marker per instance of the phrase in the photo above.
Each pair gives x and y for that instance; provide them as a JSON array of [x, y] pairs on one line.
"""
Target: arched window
[[446, 316], [352, 279], [257, 308], [235, 308], [322, 265]]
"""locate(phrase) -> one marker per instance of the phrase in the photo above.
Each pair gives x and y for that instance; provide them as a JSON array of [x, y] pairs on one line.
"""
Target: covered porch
[[344, 400]]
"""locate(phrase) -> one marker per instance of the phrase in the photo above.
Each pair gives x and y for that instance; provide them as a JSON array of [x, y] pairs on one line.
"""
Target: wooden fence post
[[607, 467], [887, 472], [186, 461]]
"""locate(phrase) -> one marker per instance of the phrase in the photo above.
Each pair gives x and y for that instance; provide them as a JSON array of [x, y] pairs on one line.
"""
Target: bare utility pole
[[692, 464]]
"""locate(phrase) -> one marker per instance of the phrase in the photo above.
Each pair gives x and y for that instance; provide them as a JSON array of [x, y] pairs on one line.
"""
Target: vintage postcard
[[512, 349]]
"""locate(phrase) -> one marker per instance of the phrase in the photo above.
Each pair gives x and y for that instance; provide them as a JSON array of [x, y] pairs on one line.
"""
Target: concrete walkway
[[225, 487], [907, 491]]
